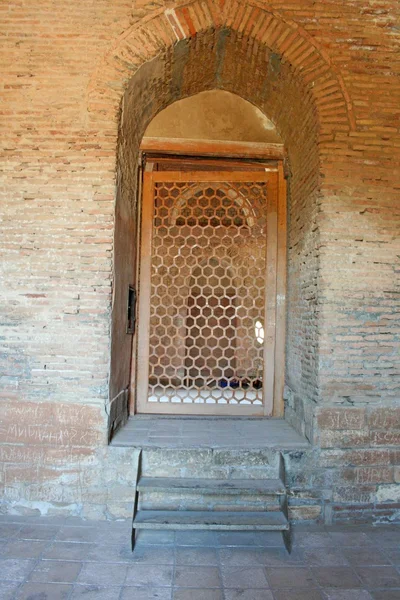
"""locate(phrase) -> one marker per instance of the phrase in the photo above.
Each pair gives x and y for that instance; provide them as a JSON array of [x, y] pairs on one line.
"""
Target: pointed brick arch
[[274, 64], [162, 29]]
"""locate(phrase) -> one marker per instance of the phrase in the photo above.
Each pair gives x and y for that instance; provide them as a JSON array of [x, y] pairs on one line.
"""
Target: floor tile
[[197, 594], [197, 577], [23, 548], [9, 530], [346, 594], [385, 536], [365, 556], [324, 557], [152, 555], [8, 589], [327, 563], [44, 591], [103, 575], [76, 534], [313, 540], [350, 538], [67, 551], [120, 536], [249, 594], [379, 577], [94, 592], [146, 593], [156, 576], [336, 577], [55, 571], [241, 557], [244, 577], [279, 557], [197, 556], [393, 554], [303, 594], [236, 538], [15, 569], [37, 532], [294, 577], [393, 594]]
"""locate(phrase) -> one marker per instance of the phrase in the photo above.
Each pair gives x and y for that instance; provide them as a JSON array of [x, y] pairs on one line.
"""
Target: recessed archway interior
[[219, 60], [213, 115]]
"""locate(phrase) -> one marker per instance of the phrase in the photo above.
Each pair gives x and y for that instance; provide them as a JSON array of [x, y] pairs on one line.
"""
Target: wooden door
[[212, 266]]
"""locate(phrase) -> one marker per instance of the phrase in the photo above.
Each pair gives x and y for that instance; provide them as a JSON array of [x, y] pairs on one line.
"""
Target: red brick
[[341, 418], [343, 439], [355, 493], [385, 438], [384, 417]]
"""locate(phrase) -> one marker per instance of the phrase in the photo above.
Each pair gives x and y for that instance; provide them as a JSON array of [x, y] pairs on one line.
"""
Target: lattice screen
[[207, 298]]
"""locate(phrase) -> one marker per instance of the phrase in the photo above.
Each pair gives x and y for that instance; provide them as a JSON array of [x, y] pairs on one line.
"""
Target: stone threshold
[[185, 432]]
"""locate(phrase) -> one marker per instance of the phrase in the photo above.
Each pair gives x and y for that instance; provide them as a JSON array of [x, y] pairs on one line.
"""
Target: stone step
[[215, 464], [212, 486], [217, 520]]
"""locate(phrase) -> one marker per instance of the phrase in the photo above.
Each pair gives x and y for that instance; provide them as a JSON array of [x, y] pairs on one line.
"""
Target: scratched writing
[[374, 475], [45, 455], [341, 419], [49, 412], [46, 435]]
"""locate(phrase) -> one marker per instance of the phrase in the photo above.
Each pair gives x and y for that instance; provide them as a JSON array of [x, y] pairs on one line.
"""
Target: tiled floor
[[147, 431], [67, 559]]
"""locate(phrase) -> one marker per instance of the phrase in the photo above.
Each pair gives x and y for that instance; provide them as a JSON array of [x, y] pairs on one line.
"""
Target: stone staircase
[[228, 504]]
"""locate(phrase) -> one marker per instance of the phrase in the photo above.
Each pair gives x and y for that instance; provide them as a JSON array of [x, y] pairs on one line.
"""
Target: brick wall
[[79, 86]]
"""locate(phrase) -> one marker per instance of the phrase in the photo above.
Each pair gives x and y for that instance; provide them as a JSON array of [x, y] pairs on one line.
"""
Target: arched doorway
[[273, 65]]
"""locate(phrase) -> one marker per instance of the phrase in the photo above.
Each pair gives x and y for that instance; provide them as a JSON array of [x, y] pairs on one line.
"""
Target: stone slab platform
[[145, 431]]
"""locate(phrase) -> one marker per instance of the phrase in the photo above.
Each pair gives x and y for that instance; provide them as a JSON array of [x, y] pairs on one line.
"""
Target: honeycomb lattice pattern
[[207, 292]]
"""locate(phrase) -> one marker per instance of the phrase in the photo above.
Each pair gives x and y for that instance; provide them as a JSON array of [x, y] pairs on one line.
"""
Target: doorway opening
[[209, 277], [211, 267]]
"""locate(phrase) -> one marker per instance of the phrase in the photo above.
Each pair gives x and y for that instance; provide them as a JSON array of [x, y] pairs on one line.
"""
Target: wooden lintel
[[213, 148]]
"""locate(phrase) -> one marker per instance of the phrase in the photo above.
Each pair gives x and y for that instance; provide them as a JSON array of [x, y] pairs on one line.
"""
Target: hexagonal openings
[[207, 292]]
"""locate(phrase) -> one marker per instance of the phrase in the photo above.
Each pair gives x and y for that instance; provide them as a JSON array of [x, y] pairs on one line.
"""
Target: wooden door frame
[[275, 314], [216, 148]]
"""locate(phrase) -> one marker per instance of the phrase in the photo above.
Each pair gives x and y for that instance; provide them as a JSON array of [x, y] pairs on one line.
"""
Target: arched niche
[[221, 59], [214, 115]]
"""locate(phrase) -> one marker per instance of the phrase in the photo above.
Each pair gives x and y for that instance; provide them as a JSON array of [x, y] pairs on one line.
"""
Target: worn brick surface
[[327, 74]]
